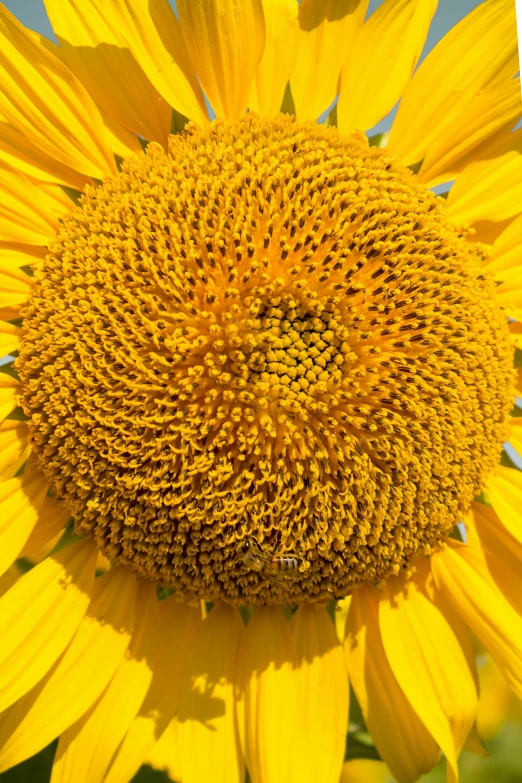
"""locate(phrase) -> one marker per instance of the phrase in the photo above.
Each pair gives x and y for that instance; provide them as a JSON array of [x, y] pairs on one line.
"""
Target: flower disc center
[[260, 366]]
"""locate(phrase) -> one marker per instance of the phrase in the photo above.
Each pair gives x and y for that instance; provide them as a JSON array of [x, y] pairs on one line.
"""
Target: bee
[[276, 568]]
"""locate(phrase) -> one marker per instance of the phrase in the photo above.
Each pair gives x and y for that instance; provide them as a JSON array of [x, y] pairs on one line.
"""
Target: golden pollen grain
[[270, 334]]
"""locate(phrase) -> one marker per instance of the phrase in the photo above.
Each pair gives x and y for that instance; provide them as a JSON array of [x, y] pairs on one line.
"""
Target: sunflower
[[262, 380]]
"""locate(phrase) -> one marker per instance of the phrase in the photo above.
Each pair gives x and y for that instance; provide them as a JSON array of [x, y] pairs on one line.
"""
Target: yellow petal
[[401, 739], [279, 56], [89, 34], [207, 718], [341, 613], [488, 192], [515, 440], [490, 111], [154, 36], [52, 518], [19, 152], [44, 101], [505, 492], [9, 338], [509, 296], [463, 578], [15, 287], [270, 694], [327, 30], [502, 551], [21, 500], [377, 70], [58, 200], [85, 749], [164, 755], [364, 771], [179, 624], [505, 259], [79, 677], [9, 390], [123, 142], [14, 255], [428, 662], [14, 439], [39, 615], [225, 41], [514, 328], [323, 678], [471, 56], [26, 215]]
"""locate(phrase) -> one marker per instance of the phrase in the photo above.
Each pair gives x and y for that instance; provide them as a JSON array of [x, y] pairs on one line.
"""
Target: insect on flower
[[276, 568]]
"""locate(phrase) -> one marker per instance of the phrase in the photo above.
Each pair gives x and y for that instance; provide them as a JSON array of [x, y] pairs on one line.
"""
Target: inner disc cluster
[[269, 338]]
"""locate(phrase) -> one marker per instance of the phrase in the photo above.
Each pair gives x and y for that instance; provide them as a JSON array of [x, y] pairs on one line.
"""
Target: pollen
[[270, 333]]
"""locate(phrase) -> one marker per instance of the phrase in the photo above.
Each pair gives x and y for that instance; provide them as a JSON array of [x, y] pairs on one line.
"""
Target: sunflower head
[[267, 330]]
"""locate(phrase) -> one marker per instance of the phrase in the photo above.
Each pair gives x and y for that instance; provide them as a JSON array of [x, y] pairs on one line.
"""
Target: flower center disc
[[268, 341]]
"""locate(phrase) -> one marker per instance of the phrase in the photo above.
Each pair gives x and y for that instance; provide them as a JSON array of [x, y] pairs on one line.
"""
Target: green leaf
[[178, 122], [149, 775], [506, 460], [288, 105], [37, 769], [379, 140], [331, 119], [518, 359]]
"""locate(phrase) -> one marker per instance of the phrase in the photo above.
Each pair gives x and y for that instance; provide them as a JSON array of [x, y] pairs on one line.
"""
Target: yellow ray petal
[[15, 286], [164, 755], [80, 676], [19, 152], [153, 35], [364, 771], [207, 718], [341, 613], [123, 142], [319, 754], [89, 34], [488, 191], [25, 213], [505, 492], [14, 439], [39, 615], [85, 749], [52, 518], [327, 29], [514, 328], [428, 662], [179, 624], [477, 51], [58, 200], [279, 56], [502, 551], [490, 111], [44, 101], [376, 70], [9, 390], [400, 737], [14, 255], [463, 578], [518, 382], [505, 260], [509, 296], [270, 696], [9, 338], [225, 41], [21, 500]]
